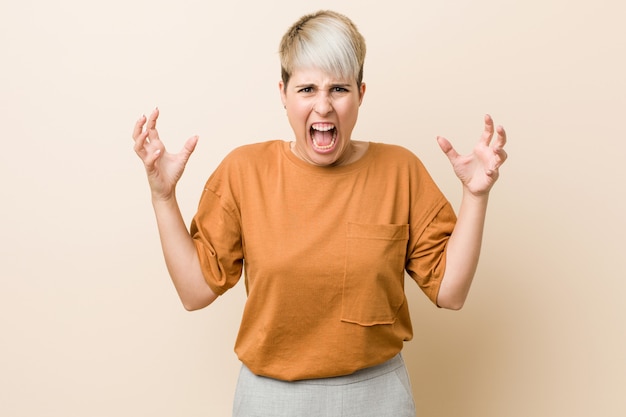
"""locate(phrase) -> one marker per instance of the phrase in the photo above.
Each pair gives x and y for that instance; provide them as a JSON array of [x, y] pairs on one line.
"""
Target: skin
[[478, 172], [313, 97], [164, 169]]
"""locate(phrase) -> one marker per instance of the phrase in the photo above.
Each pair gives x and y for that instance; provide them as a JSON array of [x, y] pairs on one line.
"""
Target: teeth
[[323, 127], [326, 147]]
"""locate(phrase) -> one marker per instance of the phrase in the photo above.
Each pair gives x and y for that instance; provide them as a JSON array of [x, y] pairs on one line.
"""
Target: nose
[[323, 105]]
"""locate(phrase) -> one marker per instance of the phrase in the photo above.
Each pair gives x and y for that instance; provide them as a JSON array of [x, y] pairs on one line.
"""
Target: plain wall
[[90, 324]]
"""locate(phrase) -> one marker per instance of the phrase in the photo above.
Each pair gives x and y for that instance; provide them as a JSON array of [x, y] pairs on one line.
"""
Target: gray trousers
[[381, 391]]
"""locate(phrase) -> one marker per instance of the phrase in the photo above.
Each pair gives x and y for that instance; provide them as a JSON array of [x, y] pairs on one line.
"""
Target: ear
[[361, 93], [283, 94]]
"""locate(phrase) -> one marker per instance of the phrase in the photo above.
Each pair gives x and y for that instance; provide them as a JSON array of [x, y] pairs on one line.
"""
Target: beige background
[[90, 324]]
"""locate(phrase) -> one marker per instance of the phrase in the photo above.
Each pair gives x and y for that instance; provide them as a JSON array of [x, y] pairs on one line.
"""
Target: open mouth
[[323, 136]]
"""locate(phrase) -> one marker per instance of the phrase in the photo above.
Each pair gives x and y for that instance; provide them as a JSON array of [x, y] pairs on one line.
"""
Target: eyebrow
[[344, 85]]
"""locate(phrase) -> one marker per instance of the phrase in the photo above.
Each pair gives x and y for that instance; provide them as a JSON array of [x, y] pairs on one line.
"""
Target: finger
[[501, 138], [488, 132], [139, 126], [493, 174], [151, 159], [141, 142], [501, 156], [153, 134], [190, 146], [153, 119], [447, 148]]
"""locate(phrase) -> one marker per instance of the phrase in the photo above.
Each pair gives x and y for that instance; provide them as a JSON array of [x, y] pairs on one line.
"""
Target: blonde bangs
[[325, 40]]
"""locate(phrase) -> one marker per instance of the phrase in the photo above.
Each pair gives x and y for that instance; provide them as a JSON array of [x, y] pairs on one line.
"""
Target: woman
[[326, 227]]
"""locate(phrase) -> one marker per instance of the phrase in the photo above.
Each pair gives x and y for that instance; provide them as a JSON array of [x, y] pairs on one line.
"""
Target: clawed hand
[[164, 169], [479, 170]]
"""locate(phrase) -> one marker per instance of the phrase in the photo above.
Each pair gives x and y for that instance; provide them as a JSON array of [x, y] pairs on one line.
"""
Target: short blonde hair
[[326, 40]]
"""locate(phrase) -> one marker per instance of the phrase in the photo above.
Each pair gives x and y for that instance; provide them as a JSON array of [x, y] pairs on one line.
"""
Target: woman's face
[[322, 111]]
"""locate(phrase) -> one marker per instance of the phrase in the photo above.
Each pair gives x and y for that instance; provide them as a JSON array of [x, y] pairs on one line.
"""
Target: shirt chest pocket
[[373, 286]]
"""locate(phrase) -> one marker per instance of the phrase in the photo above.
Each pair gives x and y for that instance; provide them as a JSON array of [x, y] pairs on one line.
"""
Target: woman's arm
[[164, 171], [478, 173]]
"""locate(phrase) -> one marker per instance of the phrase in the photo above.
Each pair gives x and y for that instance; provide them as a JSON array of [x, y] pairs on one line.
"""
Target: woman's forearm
[[181, 256], [463, 251]]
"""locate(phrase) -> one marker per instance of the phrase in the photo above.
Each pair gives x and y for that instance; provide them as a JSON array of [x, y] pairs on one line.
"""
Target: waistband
[[360, 375]]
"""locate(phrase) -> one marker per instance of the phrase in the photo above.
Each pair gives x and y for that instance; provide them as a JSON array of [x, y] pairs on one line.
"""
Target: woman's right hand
[[164, 169]]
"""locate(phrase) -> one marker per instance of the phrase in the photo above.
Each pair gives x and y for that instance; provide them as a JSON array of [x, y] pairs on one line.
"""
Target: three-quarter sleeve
[[426, 259], [216, 232]]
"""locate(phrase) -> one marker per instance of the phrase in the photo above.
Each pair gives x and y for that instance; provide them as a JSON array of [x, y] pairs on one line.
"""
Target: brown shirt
[[325, 249]]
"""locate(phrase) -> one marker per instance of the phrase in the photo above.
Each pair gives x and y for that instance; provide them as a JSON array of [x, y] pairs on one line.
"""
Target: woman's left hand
[[478, 171]]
